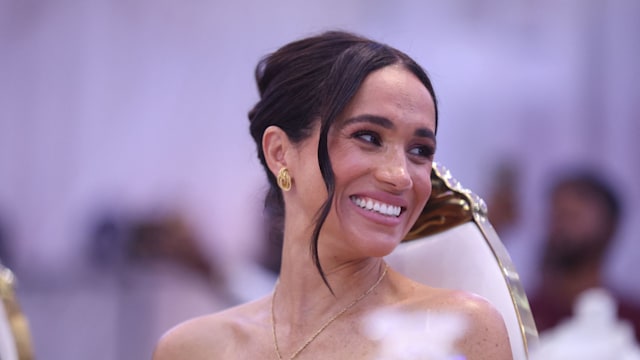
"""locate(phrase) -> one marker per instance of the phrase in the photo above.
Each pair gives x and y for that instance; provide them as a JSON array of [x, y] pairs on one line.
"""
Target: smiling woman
[[345, 129]]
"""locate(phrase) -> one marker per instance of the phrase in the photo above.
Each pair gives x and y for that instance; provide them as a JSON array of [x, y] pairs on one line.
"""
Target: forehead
[[394, 93]]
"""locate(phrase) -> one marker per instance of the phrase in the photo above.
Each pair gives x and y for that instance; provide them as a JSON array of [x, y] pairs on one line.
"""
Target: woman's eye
[[367, 136], [422, 151]]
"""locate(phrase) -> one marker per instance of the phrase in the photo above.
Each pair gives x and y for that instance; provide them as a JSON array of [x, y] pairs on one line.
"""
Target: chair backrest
[[453, 245], [15, 341]]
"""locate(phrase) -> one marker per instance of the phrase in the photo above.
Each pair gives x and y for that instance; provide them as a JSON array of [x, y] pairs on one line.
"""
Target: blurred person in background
[[504, 211], [5, 248], [161, 274], [145, 240], [583, 216]]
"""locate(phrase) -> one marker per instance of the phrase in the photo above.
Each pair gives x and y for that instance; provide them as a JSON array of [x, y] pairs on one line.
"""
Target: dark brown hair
[[310, 80]]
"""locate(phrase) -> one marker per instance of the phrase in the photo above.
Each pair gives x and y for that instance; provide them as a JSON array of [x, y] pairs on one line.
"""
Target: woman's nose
[[393, 170]]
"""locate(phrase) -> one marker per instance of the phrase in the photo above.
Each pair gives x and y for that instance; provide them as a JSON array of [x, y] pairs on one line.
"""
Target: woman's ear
[[275, 144]]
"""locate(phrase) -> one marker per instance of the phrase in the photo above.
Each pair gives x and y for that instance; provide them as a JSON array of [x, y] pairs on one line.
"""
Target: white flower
[[415, 335]]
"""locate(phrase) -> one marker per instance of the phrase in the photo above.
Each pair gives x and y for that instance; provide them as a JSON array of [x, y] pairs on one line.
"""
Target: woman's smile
[[377, 206]]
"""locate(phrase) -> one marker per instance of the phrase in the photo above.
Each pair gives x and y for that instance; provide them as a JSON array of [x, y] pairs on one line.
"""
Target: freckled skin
[[244, 331]]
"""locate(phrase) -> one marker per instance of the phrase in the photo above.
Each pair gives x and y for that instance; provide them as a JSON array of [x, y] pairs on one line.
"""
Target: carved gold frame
[[17, 321]]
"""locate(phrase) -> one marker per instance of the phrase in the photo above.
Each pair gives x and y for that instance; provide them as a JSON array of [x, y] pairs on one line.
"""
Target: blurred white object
[[594, 333], [415, 335]]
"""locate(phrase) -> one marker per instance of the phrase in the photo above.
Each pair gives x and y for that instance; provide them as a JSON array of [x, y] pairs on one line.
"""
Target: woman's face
[[381, 150]]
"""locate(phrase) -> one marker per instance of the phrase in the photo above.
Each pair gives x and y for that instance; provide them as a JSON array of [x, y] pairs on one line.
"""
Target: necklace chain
[[325, 325]]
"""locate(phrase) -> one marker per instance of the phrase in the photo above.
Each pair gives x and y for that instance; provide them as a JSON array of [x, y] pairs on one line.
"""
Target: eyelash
[[425, 151], [375, 138]]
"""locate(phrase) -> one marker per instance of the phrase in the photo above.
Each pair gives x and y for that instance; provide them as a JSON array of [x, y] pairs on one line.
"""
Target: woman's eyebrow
[[425, 133], [387, 124], [372, 119]]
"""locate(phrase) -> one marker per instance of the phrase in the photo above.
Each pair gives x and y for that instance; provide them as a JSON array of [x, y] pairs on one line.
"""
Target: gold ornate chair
[[15, 341], [453, 245]]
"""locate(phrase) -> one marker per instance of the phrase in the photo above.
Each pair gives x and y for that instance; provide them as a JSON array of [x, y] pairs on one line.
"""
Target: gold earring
[[284, 179]]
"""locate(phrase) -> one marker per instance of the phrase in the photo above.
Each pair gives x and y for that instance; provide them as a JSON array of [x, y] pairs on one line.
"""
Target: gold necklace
[[326, 324]]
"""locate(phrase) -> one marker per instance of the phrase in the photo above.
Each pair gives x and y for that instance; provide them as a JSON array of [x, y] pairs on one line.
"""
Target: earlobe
[[275, 144]]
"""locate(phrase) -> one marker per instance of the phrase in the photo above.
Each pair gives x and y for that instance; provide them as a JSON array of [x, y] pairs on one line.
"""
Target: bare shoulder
[[212, 336], [486, 336]]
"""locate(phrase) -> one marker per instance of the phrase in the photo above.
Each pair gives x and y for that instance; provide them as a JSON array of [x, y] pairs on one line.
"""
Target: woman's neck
[[302, 291]]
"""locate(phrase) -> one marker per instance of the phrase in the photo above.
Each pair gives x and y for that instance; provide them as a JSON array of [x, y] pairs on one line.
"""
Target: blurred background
[[130, 192]]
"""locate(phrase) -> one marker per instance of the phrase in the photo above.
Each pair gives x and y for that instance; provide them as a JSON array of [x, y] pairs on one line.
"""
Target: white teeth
[[378, 207]]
